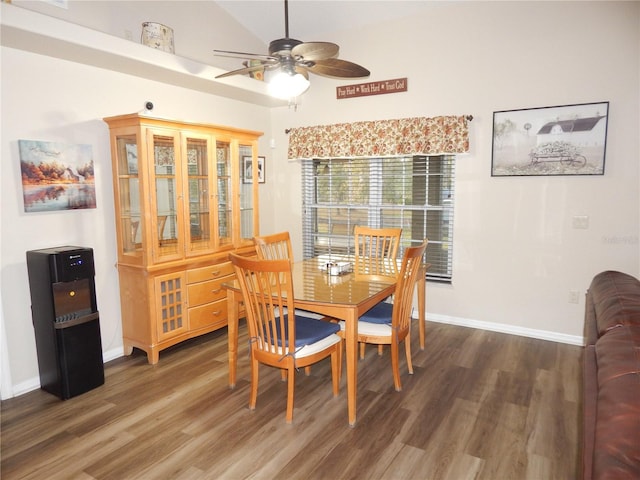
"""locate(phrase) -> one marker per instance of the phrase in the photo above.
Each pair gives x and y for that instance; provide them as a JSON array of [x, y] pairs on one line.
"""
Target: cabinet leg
[[153, 356]]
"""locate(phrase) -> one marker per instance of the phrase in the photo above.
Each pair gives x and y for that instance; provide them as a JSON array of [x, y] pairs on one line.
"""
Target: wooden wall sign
[[372, 88]]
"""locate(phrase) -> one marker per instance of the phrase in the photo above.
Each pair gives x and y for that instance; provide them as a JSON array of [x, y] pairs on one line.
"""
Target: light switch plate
[[574, 296]]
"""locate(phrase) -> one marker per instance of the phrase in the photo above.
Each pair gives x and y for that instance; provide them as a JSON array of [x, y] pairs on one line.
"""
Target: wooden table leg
[[422, 307], [232, 331], [351, 341]]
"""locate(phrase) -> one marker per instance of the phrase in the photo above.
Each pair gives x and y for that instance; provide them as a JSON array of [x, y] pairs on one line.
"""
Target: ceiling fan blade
[[246, 56], [334, 67], [241, 71], [315, 50]]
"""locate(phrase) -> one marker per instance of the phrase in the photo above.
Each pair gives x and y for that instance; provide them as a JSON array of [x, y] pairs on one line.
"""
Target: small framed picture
[[247, 169]]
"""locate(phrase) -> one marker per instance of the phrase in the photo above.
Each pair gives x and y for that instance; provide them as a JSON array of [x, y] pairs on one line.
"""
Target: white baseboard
[[34, 383], [510, 329], [112, 354], [25, 387]]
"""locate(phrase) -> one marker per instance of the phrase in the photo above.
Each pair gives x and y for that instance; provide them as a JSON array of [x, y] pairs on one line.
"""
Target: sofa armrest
[[616, 302]]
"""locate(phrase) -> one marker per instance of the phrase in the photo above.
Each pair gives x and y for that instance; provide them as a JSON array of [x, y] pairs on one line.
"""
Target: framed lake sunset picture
[[56, 176]]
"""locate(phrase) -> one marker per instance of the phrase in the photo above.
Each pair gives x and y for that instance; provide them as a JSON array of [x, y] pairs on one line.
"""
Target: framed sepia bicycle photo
[[560, 140]]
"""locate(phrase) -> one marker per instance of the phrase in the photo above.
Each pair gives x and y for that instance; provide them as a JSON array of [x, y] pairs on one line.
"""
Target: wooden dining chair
[[287, 341], [390, 324], [376, 250], [376, 253], [276, 246]]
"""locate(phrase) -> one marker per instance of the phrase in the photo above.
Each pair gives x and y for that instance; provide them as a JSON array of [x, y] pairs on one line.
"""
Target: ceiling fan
[[294, 59]]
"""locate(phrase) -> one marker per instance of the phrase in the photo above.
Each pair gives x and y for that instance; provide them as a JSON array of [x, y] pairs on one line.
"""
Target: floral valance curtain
[[379, 138]]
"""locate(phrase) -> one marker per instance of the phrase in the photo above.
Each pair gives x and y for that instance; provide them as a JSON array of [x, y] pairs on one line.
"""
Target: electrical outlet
[[581, 221], [128, 35], [574, 296]]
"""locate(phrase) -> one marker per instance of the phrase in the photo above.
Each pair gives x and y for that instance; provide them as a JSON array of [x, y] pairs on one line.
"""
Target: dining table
[[345, 296]]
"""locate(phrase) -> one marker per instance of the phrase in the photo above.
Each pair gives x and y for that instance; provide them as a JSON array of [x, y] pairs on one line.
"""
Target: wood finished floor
[[480, 405]]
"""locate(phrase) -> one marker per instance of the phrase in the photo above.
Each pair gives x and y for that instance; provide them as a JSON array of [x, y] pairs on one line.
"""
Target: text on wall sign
[[372, 88]]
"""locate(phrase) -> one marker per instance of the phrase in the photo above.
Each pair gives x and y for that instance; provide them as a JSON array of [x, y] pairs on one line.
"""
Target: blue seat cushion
[[380, 314], [308, 330]]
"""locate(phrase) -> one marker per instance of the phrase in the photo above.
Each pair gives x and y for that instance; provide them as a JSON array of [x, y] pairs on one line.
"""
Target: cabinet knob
[[216, 273], [216, 291], [216, 313]]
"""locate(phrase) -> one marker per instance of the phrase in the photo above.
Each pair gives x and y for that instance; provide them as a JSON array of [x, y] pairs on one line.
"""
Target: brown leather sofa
[[611, 429]]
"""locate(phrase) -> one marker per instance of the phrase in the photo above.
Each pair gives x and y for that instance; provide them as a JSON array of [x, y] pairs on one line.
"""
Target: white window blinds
[[414, 193]]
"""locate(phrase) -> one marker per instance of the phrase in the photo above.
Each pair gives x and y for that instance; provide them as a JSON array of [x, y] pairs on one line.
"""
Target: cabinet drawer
[[208, 315], [206, 292], [210, 272]]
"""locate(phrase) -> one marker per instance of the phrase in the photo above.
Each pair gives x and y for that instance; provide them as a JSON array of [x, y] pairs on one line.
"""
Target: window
[[412, 192]]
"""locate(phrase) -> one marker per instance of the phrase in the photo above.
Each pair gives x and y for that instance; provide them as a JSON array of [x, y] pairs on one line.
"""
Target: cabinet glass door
[[249, 171], [223, 187], [129, 195], [167, 241], [199, 186]]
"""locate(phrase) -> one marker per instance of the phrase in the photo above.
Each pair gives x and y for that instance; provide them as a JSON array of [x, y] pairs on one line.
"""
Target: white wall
[[48, 99], [516, 255], [198, 26]]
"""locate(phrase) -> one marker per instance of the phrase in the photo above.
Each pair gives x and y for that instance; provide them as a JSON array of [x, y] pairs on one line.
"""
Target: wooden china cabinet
[[181, 205]]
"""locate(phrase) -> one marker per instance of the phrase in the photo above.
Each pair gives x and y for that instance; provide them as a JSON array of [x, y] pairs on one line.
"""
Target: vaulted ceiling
[[314, 20]]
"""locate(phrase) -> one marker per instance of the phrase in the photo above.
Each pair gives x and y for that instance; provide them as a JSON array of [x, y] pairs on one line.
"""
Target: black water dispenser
[[65, 320]]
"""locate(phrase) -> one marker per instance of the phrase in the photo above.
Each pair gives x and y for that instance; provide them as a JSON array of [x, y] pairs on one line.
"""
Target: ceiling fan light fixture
[[285, 85]]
